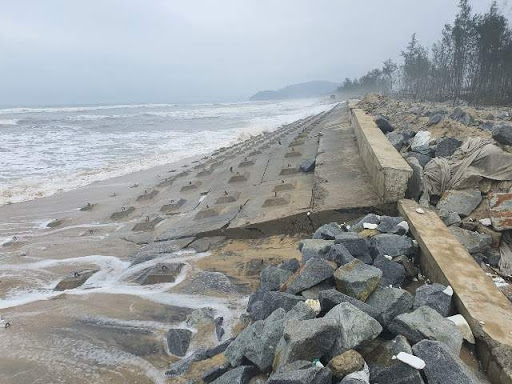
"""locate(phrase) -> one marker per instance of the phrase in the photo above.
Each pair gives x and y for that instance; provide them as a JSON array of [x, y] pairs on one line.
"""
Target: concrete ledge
[[486, 309], [388, 171]]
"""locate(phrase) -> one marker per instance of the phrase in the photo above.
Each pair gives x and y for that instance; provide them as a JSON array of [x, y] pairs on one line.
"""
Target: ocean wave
[[9, 121], [80, 108]]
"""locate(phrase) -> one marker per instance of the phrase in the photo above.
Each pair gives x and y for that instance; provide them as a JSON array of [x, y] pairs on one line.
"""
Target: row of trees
[[472, 61]]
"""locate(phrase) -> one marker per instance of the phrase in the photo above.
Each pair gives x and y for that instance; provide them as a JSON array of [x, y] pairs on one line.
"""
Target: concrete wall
[[388, 171]]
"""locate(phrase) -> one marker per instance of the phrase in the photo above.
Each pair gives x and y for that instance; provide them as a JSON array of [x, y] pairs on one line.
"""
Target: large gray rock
[[392, 245], [393, 273], [415, 183], [239, 375], [384, 125], [434, 119], [447, 146], [357, 279], [442, 365], [390, 302], [313, 375], [178, 341], [257, 343], [355, 328], [339, 254], [388, 224], [427, 323], [422, 158], [214, 373], [327, 231], [272, 278], [473, 241], [305, 340], [314, 292], [356, 245], [308, 165], [273, 300], [385, 369], [421, 141], [461, 116], [331, 298], [433, 296], [291, 265], [312, 273], [449, 218], [314, 248], [396, 139], [462, 202], [502, 134]]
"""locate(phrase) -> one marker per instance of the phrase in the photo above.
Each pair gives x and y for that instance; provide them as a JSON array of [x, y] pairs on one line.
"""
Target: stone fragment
[[357, 279], [502, 133], [271, 278], [388, 224], [355, 328], [314, 271], [384, 125], [239, 375], [427, 323], [473, 241], [314, 248], [206, 282], [327, 231], [447, 146], [384, 369], [435, 297], [422, 158], [415, 183], [178, 341], [314, 292], [461, 116], [359, 377], [331, 298], [410, 269], [314, 375], [339, 254], [214, 373], [346, 363], [392, 245], [75, 280], [393, 273], [390, 302], [463, 202], [442, 364], [356, 245], [308, 165]]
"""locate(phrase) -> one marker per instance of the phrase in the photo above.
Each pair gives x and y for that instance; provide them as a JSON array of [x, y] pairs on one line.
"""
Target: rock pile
[[340, 315]]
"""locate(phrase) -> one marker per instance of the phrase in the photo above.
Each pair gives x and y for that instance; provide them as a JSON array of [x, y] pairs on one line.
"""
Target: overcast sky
[[131, 51]]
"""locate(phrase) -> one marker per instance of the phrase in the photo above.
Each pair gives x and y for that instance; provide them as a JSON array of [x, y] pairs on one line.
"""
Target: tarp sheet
[[476, 159]]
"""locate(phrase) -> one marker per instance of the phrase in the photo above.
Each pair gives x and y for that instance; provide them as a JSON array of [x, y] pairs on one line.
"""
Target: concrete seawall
[[388, 171]]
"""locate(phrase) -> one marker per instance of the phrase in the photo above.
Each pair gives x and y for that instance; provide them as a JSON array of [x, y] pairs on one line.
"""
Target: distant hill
[[298, 91]]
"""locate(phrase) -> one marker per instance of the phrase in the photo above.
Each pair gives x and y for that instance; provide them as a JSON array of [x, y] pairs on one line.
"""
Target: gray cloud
[[118, 51]]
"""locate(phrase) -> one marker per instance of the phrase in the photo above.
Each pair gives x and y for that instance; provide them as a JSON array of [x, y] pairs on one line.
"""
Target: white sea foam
[[9, 121]]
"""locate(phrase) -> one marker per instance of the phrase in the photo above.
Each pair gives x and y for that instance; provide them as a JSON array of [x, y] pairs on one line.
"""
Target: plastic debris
[[463, 327], [485, 222], [388, 257], [410, 360], [420, 210], [448, 291], [370, 226], [404, 225], [317, 363]]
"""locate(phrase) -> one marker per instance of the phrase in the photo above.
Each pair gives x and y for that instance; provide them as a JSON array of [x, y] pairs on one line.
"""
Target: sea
[[48, 150]]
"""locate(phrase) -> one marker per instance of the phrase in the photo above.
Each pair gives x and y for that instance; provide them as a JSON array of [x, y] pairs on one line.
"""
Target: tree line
[[472, 61]]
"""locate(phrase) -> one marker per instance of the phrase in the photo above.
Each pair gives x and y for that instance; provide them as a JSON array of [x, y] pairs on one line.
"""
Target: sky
[[64, 52]]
